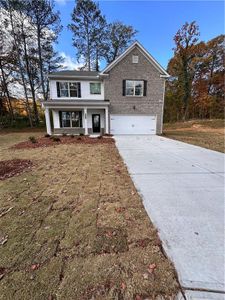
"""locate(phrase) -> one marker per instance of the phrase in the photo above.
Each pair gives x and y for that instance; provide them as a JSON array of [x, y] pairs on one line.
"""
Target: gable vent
[[135, 59]]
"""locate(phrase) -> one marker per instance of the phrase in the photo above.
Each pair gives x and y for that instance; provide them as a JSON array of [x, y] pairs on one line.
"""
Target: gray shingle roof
[[74, 73]]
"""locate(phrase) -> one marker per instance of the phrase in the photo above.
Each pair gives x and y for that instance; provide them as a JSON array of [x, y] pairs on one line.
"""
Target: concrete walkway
[[182, 187]]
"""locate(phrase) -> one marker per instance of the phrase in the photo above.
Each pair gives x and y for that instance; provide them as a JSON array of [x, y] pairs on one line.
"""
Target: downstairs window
[[70, 119]]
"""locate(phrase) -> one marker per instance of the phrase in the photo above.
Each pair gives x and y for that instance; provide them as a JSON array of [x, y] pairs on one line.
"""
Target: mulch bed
[[10, 168], [47, 141]]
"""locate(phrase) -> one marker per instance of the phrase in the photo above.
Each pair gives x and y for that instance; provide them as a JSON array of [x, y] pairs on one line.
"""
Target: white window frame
[[70, 112], [95, 83], [134, 84], [68, 88]]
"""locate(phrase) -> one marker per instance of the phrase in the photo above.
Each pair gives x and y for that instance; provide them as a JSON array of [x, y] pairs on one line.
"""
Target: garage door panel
[[133, 124]]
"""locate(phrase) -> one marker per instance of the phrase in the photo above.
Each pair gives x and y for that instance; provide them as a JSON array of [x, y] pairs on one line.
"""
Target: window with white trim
[[95, 88], [71, 119], [134, 87], [68, 89]]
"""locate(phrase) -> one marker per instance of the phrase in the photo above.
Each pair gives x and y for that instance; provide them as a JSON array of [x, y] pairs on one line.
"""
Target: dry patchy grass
[[208, 134], [75, 228]]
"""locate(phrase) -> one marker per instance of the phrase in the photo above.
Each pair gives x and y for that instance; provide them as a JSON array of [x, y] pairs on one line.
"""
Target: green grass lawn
[[209, 134], [75, 228]]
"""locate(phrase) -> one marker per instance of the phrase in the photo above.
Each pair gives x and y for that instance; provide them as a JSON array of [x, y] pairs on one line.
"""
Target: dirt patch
[[110, 240], [43, 142], [201, 128], [10, 168], [204, 133]]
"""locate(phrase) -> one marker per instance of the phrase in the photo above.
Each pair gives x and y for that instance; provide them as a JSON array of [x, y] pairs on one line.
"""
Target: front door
[[96, 121]]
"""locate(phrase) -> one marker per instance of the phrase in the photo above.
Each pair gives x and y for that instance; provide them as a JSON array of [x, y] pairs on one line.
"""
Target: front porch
[[74, 118]]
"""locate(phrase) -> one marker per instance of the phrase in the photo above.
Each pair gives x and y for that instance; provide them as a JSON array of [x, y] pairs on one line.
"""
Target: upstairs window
[[63, 89], [68, 89], [134, 88], [95, 88]]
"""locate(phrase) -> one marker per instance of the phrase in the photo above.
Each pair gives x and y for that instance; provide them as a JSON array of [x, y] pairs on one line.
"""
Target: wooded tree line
[[30, 28], [196, 87], [28, 31]]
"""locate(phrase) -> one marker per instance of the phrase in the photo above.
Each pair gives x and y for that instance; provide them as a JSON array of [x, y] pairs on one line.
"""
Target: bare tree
[[12, 7], [119, 36], [46, 23]]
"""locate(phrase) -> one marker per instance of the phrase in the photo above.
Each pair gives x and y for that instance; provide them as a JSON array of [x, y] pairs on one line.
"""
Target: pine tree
[[88, 26], [47, 26]]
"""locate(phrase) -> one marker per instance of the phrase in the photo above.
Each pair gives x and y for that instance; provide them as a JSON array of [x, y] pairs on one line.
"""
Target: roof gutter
[[165, 76], [73, 76]]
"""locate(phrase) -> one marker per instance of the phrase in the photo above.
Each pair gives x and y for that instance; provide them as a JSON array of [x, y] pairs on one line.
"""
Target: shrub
[[72, 135], [33, 139], [56, 139], [47, 135], [81, 134]]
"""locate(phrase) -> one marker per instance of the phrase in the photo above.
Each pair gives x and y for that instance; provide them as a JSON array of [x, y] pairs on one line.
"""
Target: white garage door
[[132, 124]]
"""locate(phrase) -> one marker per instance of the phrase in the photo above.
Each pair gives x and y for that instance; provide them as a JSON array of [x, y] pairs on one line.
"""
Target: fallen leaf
[[151, 268], [123, 286], [109, 234], [119, 209], [145, 275], [35, 267]]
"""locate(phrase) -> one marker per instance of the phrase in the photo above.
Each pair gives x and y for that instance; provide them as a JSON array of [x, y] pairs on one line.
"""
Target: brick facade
[[151, 104]]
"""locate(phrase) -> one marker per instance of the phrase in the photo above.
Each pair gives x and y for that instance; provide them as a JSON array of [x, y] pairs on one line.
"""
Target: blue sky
[[156, 22]]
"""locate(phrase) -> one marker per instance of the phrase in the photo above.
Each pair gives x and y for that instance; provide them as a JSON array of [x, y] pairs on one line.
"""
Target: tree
[[7, 62], [11, 9], [27, 45], [46, 23], [185, 48], [119, 36], [32, 27], [88, 26], [206, 74], [208, 83]]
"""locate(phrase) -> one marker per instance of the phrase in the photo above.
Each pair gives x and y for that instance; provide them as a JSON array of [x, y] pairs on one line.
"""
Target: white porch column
[[85, 122], [106, 120], [47, 121]]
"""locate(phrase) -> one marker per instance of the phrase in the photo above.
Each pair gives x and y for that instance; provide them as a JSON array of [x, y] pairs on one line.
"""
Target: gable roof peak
[[151, 59]]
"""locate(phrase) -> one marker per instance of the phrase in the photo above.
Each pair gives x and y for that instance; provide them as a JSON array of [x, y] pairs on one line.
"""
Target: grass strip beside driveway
[[77, 229]]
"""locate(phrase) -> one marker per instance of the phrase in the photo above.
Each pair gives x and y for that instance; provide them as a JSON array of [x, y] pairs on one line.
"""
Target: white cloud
[[69, 63]]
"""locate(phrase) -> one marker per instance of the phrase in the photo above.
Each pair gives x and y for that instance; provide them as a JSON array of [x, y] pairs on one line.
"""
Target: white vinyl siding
[[85, 90]]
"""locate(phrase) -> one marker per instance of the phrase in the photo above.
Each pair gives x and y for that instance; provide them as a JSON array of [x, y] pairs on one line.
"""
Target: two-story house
[[127, 97]]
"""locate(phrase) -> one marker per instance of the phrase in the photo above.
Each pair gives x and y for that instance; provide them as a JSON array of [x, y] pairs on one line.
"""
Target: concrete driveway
[[182, 187]]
